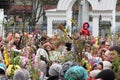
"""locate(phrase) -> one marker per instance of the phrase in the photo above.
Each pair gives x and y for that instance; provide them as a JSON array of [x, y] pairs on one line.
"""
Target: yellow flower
[[96, 42], [17, 67], [7, 61], [10, 67], [89, 67], [9, 70], [6, 57]]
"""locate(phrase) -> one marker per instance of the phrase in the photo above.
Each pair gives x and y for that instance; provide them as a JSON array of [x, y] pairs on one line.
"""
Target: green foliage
[[9, 24], [67, 29], [34, 72], [50, 2], [118, 2], [80, 44], [14, 63], [14, 60], [116, 64], [116, 67]]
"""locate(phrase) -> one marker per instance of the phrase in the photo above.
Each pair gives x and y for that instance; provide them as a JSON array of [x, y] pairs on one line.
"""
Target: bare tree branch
[[37, 10], [39, 13]]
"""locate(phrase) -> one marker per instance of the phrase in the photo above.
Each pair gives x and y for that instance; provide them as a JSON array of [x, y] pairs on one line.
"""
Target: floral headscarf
[[76, 73]]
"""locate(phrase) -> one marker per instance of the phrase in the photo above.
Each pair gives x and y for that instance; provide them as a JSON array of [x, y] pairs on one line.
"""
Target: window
[[117, 18], [90, 18]]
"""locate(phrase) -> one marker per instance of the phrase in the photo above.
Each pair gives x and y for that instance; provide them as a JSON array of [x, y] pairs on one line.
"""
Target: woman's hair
[[101, 63], [2, 72]]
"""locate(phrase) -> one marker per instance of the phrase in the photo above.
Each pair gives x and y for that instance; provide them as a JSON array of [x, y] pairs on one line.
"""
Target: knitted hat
[[55, 69], [21, 74], [106, 74], [76, 73], [107, 65], [65, 67], [94, 73]]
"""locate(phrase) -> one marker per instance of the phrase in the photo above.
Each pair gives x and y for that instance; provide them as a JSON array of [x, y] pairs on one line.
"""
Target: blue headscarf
[[76, 73], [2, 66]]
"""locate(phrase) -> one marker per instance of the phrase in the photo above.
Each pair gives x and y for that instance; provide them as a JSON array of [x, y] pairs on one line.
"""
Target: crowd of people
[[27, 57]]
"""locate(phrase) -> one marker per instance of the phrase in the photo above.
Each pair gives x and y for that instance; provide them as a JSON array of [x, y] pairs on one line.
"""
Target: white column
[[1, 22], [113, 22], [49, 26], [69, 23], [95, 29], [85, 11], [80, 14]]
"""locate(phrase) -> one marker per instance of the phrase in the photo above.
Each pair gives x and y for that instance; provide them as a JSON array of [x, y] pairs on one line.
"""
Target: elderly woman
[[3, 72], [76, 73], [21, 74]]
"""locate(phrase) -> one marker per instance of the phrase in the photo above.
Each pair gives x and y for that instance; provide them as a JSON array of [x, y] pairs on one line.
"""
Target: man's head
[[17, 37], [114, 52]]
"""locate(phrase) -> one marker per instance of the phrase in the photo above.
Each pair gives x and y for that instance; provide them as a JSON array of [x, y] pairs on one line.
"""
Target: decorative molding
[[99, 7]]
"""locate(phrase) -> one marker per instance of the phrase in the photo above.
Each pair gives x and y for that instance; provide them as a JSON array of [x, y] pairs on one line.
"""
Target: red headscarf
[[85, 31]]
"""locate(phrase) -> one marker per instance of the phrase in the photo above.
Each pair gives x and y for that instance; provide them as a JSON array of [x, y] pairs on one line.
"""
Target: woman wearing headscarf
[[76, 73]]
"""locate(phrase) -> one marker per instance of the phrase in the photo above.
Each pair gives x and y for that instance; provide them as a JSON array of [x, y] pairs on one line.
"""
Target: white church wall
[[1, 22]]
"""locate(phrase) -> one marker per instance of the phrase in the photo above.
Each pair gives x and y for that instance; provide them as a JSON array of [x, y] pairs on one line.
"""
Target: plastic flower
[[6, 57], [11, 69], [35, 63]]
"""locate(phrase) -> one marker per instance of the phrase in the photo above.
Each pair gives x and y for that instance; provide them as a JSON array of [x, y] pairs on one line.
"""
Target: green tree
[[37, 9], [118, 2], [50, 2]]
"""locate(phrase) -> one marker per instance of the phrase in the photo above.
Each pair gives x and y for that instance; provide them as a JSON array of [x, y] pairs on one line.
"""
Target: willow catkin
[[59, 26]]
